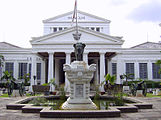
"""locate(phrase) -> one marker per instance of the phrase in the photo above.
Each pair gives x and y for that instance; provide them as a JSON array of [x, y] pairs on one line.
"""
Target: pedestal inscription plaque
[[79, 90]]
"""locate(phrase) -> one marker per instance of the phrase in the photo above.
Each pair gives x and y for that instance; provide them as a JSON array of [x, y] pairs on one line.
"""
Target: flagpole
[[76, 35], [76, 18]]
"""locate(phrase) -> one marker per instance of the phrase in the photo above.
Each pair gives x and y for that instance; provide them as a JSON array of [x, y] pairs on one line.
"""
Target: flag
[[75, 11]]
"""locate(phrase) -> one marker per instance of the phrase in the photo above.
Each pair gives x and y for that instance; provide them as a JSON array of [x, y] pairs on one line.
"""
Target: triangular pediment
[[87, 37], [82, 17]]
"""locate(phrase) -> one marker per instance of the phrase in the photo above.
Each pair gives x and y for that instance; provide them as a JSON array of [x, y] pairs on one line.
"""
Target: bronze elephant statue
[[79, 49]]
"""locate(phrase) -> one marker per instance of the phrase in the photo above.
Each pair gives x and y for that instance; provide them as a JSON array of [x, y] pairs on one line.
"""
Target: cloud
[[150, 12], [117, 2]]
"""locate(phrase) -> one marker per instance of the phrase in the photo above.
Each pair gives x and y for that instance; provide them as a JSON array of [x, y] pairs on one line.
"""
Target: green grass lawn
[[151, 95], [28, 95], [4, 95]]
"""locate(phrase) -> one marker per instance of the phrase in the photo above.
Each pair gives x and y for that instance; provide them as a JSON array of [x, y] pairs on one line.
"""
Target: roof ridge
[[144, 44], [10, 44]]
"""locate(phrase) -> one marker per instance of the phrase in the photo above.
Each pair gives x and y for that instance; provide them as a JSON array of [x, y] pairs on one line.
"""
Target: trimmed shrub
[[149, 83]]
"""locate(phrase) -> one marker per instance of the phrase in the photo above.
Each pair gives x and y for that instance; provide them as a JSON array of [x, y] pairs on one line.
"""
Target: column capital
[[34, 52], [68, 52], [101, 53], [50, 52], [86, 53]]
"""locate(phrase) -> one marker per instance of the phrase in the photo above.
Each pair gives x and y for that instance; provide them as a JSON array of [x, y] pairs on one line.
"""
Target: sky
[[136, 20]]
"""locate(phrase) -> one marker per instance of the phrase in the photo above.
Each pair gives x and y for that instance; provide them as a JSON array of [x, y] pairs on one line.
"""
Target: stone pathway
[[143, 114]]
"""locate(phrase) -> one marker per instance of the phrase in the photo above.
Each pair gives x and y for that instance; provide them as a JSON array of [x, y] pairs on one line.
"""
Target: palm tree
[[127, 76], [7, 76]]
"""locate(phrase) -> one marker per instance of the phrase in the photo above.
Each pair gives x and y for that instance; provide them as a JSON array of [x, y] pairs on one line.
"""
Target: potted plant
[[52, 82], [109, 82]]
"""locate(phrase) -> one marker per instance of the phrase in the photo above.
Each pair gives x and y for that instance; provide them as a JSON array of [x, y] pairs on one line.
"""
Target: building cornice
[[37, 40], [17, 51]]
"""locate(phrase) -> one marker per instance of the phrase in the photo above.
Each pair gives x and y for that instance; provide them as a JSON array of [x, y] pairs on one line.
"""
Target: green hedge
[[149, 83], [3, 85]]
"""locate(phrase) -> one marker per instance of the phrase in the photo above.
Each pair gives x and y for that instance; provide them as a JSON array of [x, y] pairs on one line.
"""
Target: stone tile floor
[[143, 114]]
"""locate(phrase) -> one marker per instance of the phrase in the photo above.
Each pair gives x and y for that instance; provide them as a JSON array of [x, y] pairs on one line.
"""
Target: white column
[[97, 72], [85, 57], [50, 66], [120, 71], [16, 70], [96, 79], [57, 71], [136, 70], [43, 72], [102, 69], [109, 67], [33, 71], [67, 61], [149, 70]]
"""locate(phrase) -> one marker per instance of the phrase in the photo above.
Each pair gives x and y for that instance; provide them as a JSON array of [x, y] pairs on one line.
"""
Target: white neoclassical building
[[53, 49]]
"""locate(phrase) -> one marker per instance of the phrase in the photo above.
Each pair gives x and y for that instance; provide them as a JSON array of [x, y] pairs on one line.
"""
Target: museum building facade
[[49, 52]]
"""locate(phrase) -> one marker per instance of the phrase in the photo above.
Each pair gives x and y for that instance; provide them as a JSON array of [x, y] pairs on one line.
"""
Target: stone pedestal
[[0, 92], [126, 89], [79, 75], [15, 93], [139, 93], [157, 91]]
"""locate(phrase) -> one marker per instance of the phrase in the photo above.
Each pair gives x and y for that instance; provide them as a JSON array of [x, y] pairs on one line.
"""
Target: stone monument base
[[79, 75], [78, 106]]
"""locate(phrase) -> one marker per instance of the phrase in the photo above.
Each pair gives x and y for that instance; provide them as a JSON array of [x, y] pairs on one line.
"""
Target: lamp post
[[121, 78]]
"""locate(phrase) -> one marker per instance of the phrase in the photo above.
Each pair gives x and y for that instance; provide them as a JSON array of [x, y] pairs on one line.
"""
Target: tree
[[26, 78], [159, 63], [127, 76], [1, 60], [7, 76]]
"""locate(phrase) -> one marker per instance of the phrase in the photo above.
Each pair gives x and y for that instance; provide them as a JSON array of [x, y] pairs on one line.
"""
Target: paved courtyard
[[144, 114]]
